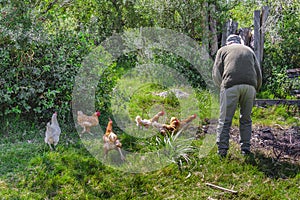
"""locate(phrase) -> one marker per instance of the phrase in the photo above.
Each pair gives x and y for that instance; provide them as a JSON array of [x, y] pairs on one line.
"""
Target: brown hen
[[111, 141], [86, 122]]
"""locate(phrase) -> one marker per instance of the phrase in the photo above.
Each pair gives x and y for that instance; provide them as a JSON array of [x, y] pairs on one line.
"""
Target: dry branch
[[221, 188]]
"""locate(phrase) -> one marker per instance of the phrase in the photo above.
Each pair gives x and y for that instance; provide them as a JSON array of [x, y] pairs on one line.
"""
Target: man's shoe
[[222, 153]]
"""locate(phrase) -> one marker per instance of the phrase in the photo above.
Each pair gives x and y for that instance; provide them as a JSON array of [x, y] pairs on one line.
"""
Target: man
[[237, 73]]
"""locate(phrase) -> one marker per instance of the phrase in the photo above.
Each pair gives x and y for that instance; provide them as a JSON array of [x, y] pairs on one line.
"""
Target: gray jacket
[[236, 64]]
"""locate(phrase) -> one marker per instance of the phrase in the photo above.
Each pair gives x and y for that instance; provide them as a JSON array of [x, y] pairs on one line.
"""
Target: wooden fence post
[[260, 18], [213, 30], [264, 16], [257, 36], [229, 28]]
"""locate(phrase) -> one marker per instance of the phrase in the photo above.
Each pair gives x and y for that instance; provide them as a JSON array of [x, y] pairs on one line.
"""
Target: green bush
[[37, 69], [43, 43], [282, 51], [42, 75]]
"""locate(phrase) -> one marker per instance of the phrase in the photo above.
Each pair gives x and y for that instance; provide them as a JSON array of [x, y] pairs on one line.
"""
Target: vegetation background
[[42, 47]]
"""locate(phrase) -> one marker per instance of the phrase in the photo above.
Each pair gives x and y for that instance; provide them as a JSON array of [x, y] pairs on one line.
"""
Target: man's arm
[[258, 73], [218, 65]]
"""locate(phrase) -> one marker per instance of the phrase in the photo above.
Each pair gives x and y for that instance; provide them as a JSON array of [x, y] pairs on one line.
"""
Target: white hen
[[52, 132]]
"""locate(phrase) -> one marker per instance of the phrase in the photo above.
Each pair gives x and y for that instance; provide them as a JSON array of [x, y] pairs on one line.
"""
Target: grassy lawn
[[29, 170]]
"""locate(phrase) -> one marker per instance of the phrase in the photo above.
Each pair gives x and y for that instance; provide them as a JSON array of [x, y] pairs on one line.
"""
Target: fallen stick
[[278, 125], [291, 138], [221, 188]]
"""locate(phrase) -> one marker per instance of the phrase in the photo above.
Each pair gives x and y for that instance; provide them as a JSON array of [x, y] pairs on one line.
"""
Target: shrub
[[37, 68]]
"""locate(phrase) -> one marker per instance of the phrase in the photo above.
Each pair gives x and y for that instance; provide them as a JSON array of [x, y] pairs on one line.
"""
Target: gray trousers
[[243, 95]]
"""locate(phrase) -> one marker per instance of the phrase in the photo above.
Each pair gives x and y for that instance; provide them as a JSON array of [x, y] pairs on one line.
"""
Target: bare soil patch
[[277, 142]]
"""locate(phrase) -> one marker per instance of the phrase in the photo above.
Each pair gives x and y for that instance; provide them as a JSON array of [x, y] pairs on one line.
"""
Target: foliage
[[281, 50], [43, 44], [243, 12], [42, 47], [284, 115], [38, 68], [178, 151], [282, 47]]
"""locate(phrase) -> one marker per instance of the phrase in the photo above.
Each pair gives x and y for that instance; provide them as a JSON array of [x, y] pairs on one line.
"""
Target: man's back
[[237, 65]]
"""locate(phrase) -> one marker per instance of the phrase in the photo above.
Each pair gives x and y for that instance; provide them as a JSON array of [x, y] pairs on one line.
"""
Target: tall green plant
[[38, 69], [282, 46]]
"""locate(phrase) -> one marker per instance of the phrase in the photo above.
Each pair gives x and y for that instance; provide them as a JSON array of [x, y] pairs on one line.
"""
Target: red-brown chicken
[[148, 122], [111, 141], [187, 121], [175, 125], [86, 122]]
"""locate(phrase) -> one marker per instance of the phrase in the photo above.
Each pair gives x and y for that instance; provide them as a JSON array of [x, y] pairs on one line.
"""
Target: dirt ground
[[276, 142]]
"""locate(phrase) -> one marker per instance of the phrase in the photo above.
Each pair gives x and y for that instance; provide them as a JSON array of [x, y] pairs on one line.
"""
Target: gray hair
[[233, 39]]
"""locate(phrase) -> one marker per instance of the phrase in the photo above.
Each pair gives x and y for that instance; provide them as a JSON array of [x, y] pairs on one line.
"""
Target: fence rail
[[271, 102]]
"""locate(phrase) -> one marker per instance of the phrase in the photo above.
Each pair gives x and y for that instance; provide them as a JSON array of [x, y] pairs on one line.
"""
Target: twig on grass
[[279, 126], [221, 188]]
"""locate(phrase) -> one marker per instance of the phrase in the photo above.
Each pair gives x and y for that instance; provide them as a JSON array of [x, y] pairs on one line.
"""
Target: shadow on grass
[[273, 168]]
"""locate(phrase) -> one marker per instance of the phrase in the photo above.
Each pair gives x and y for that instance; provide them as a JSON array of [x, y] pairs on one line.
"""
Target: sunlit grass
[[74, 174], [281, 114], [271, 115], [163, 168]]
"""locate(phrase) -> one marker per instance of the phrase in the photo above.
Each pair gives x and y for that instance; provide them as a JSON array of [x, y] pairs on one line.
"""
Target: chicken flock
[[110, 139]]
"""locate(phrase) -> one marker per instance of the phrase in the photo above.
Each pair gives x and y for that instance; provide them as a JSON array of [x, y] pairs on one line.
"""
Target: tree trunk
[[257, 34], [229, 28], [213, 30], [264, 16]]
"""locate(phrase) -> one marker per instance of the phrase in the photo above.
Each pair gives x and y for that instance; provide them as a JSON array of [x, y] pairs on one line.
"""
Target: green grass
[[281, 114], [271, 115], [29, 170]]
